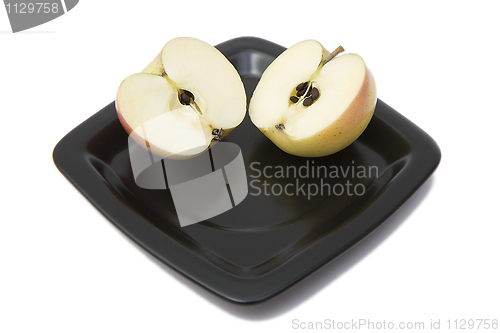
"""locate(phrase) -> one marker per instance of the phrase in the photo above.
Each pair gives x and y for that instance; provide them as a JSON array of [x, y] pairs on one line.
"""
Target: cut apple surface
[[189, 97], [313, 103]]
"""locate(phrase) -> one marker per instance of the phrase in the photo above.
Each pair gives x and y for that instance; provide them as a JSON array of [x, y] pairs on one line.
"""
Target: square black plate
[[268, 242]]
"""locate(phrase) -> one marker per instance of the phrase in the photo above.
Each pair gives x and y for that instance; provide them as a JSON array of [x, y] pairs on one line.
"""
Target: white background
[[65, 268]]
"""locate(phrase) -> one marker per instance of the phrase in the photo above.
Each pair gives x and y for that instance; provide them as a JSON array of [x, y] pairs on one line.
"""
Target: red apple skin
[[338, 135], [129, 130], [155, 67]]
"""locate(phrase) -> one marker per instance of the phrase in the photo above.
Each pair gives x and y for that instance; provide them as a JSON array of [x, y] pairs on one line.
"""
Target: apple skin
[[338, 135]]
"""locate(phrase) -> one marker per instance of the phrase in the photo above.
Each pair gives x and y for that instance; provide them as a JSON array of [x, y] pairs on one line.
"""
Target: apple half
[[313, 103], [189, 97]]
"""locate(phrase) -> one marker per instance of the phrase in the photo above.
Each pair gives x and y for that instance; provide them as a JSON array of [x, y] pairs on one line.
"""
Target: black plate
[[268, 242]]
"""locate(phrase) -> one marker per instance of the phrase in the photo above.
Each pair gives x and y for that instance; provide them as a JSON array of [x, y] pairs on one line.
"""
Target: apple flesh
[[313, 103], [188, 98]]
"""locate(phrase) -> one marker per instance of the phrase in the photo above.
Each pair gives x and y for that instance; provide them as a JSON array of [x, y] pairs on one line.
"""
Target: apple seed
[[280, 127], [190, 94], [314, 93], [301, 91], [301, 86], [308, 101], [185, 97], [307, 90]]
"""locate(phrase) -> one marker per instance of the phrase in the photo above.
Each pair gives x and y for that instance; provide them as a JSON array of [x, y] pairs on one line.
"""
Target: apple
[[312, 103], [189, 97]]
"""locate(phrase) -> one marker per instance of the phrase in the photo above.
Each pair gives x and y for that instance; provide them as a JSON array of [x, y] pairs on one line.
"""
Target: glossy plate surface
[[268, 242]]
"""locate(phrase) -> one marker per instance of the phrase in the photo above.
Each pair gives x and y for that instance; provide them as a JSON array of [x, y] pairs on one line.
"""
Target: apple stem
[[332, 55]]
